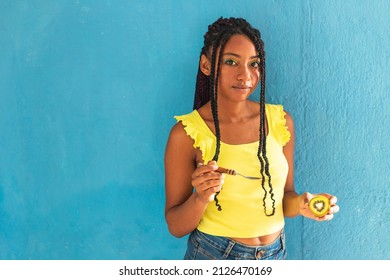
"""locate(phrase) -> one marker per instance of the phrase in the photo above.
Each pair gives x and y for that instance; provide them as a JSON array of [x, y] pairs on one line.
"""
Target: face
[[240, 72]]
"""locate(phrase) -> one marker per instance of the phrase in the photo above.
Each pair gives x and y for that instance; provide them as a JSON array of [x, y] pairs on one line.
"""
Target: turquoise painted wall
[[87, 94]]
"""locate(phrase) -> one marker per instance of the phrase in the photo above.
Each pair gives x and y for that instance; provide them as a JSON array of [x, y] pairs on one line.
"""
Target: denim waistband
[[231, 247]]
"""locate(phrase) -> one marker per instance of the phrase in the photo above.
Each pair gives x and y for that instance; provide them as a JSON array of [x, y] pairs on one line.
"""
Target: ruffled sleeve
[[197, 129], [277, 123]]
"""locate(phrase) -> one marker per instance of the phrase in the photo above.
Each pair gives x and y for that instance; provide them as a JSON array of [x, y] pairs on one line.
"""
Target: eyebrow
[[237, 55]]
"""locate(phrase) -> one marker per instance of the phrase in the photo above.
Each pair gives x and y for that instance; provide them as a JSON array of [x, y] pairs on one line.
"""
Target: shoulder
[[289, 124], [184, 129], [278, 110], [178, 131], [281, 123], [179, 143], [289, 120]]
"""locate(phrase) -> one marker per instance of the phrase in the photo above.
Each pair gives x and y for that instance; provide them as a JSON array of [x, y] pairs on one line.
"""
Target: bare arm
[[294, 204], [291, 198], [188, 189]]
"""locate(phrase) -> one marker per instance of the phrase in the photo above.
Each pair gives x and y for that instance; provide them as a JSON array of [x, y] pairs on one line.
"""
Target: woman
[[229, 216]]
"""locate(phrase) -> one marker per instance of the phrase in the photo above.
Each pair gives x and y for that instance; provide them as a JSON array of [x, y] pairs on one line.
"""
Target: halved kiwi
[[319, 205]]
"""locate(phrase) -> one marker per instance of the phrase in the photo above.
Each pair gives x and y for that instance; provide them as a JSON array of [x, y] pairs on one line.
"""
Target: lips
[[241, 87]]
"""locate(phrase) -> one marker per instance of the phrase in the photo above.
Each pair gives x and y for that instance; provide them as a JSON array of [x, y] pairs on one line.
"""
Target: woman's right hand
[[206, 181]]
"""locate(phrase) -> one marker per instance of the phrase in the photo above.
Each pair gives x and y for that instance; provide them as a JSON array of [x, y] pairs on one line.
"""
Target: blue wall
[[87, 94]]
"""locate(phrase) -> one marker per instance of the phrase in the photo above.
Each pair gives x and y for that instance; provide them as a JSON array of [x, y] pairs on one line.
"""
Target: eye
[[230, 62], [255, 64]]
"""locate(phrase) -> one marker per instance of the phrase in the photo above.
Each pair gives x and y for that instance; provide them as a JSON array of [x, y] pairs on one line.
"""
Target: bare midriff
[[258, 241]]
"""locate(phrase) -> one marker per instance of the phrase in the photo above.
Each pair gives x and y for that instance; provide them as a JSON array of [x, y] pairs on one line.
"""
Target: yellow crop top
[[242, 214]]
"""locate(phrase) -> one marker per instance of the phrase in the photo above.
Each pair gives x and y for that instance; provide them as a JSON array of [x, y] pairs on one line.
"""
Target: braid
[[214, 98], [262, 151], [207, 89], [262, 154], [213, 88], [201, 90]]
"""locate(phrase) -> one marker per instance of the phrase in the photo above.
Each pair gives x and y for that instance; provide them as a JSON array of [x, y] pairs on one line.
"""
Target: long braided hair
[[207, 89]]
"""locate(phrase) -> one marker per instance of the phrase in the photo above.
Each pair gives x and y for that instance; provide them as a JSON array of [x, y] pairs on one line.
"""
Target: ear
[[205, 65]]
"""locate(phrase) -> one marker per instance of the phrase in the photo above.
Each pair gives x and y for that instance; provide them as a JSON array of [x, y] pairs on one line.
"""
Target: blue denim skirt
[[202, 246]]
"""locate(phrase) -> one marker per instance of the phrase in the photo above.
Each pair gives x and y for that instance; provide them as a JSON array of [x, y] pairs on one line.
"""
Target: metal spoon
[[234, 173]]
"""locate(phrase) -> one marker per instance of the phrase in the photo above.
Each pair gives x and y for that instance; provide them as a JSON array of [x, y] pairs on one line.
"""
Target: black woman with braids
[[229, 216]]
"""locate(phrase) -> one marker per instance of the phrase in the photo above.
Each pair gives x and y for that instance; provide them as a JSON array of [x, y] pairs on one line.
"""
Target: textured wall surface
[[87, 94], [344, 145]]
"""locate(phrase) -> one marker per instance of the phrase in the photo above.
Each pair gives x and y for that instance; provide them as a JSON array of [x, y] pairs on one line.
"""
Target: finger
[[211, 162], [334, 209], [208, 194], [214, 190], [211, 165], [320, 219], [209, 191], [333, 200], [202, 169], [306, 198], [199, 178], [328, 217], [202, 184], [216, 183]]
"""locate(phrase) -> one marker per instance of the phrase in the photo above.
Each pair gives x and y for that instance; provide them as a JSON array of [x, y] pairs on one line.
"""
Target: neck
[[234, 112]]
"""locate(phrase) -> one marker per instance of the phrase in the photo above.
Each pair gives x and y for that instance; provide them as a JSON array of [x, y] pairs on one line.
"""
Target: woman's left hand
[[305, 211]]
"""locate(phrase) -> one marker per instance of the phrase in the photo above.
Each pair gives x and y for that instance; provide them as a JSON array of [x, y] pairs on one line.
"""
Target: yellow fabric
[[242, 214]]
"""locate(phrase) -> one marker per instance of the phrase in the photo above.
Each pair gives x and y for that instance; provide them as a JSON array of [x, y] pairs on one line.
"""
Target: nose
[[243, 74]]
